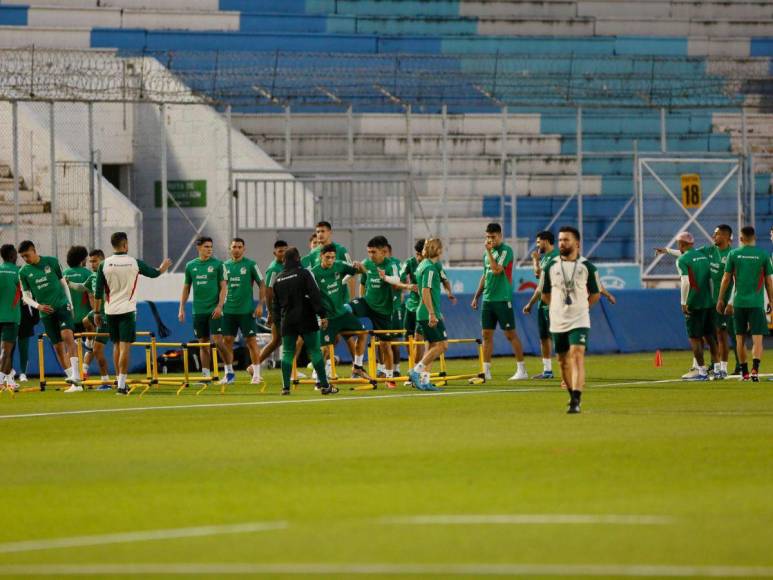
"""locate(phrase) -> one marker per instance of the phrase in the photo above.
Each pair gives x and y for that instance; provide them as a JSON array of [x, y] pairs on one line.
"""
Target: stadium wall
[[641, 321]]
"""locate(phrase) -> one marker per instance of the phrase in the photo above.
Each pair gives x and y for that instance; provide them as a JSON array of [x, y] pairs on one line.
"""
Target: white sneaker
[[313, 375], [519, 376], [256, 380], [23, 378], [11, 385], [74, 389], [691, 374]]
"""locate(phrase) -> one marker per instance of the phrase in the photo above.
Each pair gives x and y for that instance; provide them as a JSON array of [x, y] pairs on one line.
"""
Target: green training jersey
[[239, 276], [749, 266], [10, 293], [498, 288], [717, 260], [91, 286], [273, 269], [314, 257], [43, 281], [408, 275], [397, 293], [204, 278], [695, 264], [332, 286], [546, 258], [429, 277], [80, 300], [379, 294]]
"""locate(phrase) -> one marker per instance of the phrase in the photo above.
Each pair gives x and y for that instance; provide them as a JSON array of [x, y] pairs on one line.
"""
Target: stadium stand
[[679, 55]]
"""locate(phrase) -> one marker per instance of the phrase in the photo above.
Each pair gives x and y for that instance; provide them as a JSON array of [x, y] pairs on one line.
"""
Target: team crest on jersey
[[243, 270], [211, 269], [47, 269]]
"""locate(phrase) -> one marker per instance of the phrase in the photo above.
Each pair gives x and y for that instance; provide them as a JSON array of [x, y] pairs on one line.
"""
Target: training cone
[[658, 359]]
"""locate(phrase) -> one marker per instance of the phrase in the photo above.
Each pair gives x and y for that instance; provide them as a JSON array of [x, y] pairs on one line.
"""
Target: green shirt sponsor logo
[[428, 276], [239, 277], [749, 266], [80, 300], [204, 278], [43, 281], [332, 286], [498, 287], [696, 266], [10, 293], [379, 294]]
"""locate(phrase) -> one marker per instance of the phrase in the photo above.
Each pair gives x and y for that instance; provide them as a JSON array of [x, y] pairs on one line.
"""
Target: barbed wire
[[260, 79]]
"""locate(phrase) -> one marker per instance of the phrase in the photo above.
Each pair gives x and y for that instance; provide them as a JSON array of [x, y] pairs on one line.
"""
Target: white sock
[[229, 368], [388, 374], [396, 370], [419, 368], [2, 378], [717, 367], [11, 375], [358, 359], [702, 370], [694, 363], [256, 371], [328, 365], [105, 378], [68, 372], [723, 366], [547, 365], [84, 369], [522, 366], [205, 372], [380, 368], [74, 367], [121, 381], [487, 368]]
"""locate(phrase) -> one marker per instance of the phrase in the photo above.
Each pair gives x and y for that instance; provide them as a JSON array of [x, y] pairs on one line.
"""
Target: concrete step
[[385, 123], [475, 188], [6, 183], [5, 171], [39, 207], [25, 196], [327, 145], [40, 220]]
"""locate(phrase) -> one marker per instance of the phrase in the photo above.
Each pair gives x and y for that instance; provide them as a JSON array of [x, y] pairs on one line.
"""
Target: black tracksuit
[[297, 300]]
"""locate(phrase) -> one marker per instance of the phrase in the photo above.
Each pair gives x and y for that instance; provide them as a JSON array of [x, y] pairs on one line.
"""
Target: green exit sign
[[191, 193]]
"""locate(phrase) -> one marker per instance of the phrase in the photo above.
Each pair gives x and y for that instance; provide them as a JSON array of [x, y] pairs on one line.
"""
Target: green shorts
[[750, 321], [723, 322], [54, 323], [543, 322], [122, 327], [103, 329], [700, 322], [9, 331], [337, 325], [233, 323], [362, 309], [430, 334], [204, 326], [409, 321], [492, 313], [563, 340]]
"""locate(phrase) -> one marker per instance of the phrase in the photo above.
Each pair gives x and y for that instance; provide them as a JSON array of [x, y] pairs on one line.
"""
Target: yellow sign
[[692, 194]]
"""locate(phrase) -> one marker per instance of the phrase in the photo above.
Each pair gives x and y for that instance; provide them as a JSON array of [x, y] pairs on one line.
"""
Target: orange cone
[[658, 359]]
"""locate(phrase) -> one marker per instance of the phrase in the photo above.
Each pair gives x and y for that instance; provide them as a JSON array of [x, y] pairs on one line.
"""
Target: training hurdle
[[183, 381], [411, 343]]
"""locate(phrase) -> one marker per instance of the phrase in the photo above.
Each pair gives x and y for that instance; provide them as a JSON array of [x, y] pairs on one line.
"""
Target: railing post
[[164, 193], [579, 173], [15, 163], [349, 136], [229, 154], [444, 193], [92, 189], [288, 137], [663, 134], [52, 161]]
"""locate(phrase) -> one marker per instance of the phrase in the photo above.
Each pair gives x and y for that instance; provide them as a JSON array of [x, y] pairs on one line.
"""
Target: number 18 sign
[[692, 193]]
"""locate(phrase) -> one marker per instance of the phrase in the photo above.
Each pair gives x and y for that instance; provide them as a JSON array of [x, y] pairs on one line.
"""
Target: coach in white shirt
[[117, 285]]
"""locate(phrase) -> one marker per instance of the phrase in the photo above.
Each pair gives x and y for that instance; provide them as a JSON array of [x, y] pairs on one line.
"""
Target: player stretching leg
[[240, 311], [545, 252], [44, 288], [570, 286], [428, 316], [750, 268], [496, 287], [205, 275], [697, 301], [10, 314]]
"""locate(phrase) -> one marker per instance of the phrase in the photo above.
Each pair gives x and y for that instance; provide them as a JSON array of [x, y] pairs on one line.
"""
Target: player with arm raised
[[546, 251], [496, 288], [569, 285], [117, 287], [204, 275], [44, 288], [750, 269]]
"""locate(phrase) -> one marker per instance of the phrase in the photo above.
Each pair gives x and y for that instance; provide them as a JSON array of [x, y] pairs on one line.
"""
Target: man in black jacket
[[297, 304]]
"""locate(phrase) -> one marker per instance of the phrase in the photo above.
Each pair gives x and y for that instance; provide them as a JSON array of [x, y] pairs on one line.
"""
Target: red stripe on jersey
[[691, 276], [509, 272], [17, 296], [761, 281], [134, 286]]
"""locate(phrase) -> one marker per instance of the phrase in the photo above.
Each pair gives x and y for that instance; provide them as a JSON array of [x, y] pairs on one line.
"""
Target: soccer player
[[429, 319], [297, 304], [240, 310], [205, 275], [376, 303], [76, 275], [496, 287], [10, 314], [116, 287], [44, 288], [330, 275], [97, 344], [570, 286], [697, 300], [546, 251], [750, 268], [411, 304]]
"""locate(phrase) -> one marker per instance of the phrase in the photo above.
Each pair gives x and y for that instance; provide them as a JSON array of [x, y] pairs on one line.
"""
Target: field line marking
[[337, 569], [529, 519], [321, 399], [140, 536]]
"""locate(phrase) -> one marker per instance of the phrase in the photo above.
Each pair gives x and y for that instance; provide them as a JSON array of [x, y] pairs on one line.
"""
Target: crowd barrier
[[641, 321]]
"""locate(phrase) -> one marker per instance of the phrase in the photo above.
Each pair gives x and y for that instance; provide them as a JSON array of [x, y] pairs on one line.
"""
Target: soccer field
[[655, 478]]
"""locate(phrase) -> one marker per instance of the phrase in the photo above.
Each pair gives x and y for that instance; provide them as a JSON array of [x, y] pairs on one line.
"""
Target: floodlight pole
[[15, 163]]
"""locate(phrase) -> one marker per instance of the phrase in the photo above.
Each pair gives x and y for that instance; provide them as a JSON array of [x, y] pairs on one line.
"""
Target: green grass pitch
[[657, 478]]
